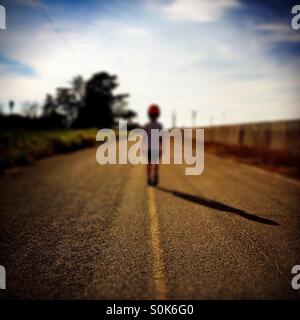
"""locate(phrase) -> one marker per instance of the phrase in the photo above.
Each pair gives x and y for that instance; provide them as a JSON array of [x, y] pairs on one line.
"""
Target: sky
[[231, 61]]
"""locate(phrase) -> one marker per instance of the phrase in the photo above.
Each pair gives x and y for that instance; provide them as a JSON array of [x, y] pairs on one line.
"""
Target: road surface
[[72, 229]]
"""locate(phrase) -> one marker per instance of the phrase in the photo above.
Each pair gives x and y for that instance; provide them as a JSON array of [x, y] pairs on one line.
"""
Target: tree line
[[83, 104]]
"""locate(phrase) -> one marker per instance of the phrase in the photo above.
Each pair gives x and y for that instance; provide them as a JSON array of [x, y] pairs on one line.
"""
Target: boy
[[152, 169]]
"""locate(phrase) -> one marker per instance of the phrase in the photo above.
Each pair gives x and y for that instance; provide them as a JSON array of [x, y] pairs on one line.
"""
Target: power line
[[194, 115], [47, 16]]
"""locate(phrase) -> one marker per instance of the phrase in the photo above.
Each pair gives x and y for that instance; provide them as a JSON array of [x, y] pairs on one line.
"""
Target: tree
[[11, 105], [78, 87], [119, 104], [87, 104], [30, 109], [99, 101], [125, 114], [70, 100], [50, 106], [67, 104], [51, 117]]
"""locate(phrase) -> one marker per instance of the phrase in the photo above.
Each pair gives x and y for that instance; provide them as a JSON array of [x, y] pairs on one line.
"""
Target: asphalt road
[[71, 228]]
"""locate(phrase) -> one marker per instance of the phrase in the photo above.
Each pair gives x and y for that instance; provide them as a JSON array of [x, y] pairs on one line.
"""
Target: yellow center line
[[158, 263]]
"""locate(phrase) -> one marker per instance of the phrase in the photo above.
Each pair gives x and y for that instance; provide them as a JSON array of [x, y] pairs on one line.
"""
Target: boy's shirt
[[148, 127]]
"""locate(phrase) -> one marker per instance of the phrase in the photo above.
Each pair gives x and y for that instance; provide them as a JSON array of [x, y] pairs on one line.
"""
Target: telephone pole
[[194, 115], [174, 119]]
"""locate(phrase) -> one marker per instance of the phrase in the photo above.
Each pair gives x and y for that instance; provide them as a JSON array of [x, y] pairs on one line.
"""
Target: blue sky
[[231, 60]]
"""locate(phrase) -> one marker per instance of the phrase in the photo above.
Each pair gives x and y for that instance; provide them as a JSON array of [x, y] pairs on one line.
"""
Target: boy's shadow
[[218, 206]]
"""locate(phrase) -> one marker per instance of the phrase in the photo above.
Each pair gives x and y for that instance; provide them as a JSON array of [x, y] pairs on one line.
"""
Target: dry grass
[[19, 147]]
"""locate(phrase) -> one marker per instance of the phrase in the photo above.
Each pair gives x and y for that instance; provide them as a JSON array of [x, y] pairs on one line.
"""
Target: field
[[19, 147]]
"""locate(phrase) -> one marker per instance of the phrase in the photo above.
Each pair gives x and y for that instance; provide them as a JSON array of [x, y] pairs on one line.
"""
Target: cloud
[[199, 10], [136, 32]]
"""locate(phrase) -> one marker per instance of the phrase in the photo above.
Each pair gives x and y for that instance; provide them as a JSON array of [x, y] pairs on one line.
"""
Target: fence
[[282, 136]]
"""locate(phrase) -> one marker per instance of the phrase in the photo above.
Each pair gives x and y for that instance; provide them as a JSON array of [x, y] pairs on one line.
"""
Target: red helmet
[[153, 110]]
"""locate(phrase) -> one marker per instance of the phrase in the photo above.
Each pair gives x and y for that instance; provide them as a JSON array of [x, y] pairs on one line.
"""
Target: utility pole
[[194, 115], [174, 119]]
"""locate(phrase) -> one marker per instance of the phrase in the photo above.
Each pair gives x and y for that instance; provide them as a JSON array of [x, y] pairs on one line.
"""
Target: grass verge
[[20, 147]]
